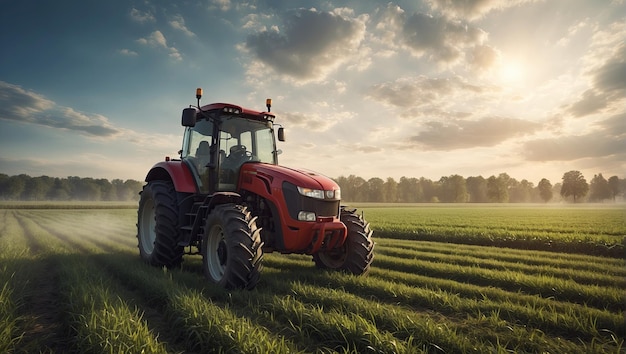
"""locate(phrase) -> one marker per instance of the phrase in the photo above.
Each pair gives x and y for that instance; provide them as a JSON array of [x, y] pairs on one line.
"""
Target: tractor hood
[[299, 177]]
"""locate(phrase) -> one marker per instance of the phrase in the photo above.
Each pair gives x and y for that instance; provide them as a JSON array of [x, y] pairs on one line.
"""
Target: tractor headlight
[[306, 216], [320, 194], [313, 193], [334, 194]]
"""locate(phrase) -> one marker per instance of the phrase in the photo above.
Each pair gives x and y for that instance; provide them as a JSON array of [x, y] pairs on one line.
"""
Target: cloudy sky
[[383, 89]]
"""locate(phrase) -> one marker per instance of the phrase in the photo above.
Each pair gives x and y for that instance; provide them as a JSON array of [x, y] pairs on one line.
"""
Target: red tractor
[[228, 200]]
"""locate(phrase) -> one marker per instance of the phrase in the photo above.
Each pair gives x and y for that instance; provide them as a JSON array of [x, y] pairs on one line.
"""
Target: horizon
[[335, 178], [430, 89]]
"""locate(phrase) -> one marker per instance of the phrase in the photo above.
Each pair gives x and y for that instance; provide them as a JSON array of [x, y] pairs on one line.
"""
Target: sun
[[511, 72]]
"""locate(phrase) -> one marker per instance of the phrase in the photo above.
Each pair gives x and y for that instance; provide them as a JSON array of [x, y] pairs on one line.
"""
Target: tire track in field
[[43, 313], [79, 222], [69, 242], [43, 325], [156, 320], [34, 245], [4, 222]]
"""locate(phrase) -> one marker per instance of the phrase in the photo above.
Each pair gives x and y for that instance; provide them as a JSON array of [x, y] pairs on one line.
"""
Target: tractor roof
[[230, 107]]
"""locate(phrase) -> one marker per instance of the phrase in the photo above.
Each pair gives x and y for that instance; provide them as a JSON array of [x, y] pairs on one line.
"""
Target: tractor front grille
[[296, 202]]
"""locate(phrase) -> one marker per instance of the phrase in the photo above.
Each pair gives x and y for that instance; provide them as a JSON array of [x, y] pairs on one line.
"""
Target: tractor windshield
[[243, 140], [255, 137]]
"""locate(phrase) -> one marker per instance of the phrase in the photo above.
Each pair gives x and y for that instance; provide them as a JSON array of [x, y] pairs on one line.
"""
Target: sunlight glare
[[511, 72]]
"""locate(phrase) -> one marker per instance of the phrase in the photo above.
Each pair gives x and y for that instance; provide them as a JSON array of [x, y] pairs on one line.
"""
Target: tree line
[[450, 189], [24, 187], [494, 189]]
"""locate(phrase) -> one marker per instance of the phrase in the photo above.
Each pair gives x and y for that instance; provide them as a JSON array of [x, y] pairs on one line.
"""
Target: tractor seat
[[203, 149], [203, 155]]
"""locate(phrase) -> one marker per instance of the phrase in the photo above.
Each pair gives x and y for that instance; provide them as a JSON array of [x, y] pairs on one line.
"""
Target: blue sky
[[376, 89]]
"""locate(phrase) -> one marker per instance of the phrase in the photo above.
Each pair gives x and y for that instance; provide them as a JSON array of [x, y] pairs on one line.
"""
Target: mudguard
[[176, 171]]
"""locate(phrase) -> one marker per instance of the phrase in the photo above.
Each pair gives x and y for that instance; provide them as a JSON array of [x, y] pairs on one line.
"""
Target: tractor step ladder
[[194, 226]]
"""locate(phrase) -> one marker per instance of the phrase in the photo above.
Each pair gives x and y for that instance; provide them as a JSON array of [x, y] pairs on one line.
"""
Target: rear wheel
[[356, 254], [157, 225], [232, 251]]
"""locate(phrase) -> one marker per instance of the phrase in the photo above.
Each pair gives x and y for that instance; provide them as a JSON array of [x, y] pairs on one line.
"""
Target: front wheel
[[232, 251], [356, 254]]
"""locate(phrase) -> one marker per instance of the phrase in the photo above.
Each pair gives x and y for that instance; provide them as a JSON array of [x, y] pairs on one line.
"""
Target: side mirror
[[281, 134], [189, 117]]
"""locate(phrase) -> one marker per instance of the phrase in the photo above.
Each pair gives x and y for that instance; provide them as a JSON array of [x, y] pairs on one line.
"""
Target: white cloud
[[575, 147], [141, 16], [22, 106], [178, 22], [310, 45], [483, 58], [156, 39], [128, 52], [605, 68], [360, 147], [424, 92], [472, 9], [442, 40], [463, 134], [223, 5], [313, 122], [572, 31]]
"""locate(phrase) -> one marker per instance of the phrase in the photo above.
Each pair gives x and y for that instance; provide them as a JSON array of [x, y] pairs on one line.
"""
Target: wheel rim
[[216, 253], [148, 226]]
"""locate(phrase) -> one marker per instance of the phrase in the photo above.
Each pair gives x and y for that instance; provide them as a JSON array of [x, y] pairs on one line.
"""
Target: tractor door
[[235, 150], [197, 153], [243, 140]]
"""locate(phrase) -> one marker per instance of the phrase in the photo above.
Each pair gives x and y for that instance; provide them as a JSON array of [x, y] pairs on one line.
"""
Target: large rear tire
[[157, 225], [356, 254], [232, 251]]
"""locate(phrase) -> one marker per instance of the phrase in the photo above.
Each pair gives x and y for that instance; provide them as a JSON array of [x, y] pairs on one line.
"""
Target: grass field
[[597, 229], [444, 279]]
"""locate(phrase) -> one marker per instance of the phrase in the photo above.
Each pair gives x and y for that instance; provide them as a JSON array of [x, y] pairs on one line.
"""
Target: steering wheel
[[237, 149], [240, 152]]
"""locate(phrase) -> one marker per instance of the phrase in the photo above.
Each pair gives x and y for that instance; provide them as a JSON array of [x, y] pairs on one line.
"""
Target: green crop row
[[466, 297], [521, 257], [601, 220], [76, 299], [600, 289], [99, 319], [599, 231], [14, 275]]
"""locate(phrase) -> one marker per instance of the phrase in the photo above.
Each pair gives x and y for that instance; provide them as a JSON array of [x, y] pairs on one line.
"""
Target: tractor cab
[[219, 138]]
